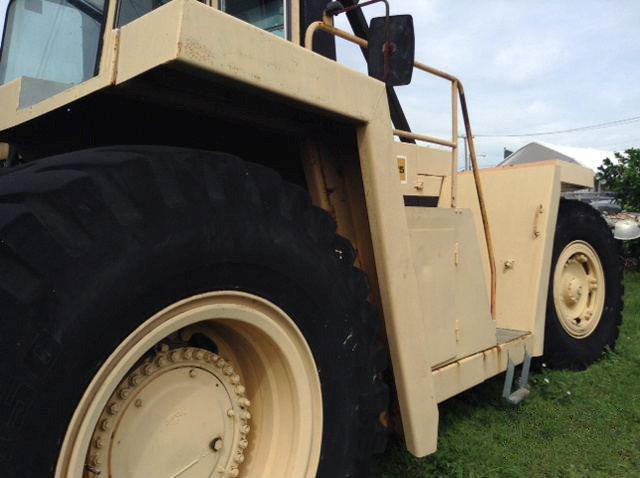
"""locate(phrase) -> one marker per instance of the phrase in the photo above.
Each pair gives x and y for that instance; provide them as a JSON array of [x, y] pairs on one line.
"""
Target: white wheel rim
[[271, 359]]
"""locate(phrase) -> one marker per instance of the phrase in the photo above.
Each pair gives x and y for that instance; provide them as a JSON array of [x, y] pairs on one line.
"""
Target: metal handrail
[[457, 92]]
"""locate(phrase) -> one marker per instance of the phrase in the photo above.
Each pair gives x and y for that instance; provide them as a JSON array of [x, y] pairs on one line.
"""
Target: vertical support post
[[480, 194], [454, 140]]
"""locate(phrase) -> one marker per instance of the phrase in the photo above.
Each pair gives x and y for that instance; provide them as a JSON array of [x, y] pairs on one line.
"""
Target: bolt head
[[216, 444]]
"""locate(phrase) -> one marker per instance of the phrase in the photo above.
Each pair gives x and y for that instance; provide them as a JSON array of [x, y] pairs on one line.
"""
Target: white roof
[[588, 157]]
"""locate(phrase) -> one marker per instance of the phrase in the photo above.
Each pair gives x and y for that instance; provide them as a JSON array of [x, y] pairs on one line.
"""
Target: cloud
[[527, 59], [528, 67]]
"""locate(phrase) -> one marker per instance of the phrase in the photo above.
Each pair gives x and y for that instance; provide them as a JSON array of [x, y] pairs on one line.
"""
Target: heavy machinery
[[213, 236]]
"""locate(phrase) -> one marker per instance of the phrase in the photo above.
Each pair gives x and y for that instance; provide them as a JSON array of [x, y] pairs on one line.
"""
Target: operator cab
[[55, 44]]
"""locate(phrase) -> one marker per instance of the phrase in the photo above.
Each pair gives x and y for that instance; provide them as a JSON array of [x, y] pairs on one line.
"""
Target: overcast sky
[[526, 67]]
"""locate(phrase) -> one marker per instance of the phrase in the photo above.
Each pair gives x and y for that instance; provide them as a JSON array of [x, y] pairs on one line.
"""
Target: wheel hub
[[182, 413], [579, 289], [573, 291]]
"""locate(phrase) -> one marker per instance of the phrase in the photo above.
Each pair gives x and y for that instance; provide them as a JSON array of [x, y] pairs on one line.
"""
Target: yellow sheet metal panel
[[451, 279], [398, 286], [425, 169], [459, 376], [149, 41], [194, 34], [522, 205], [433, 258]]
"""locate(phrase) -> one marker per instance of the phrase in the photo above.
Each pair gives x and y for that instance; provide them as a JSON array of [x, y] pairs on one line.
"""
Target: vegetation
[[572, 424], [623, 178]]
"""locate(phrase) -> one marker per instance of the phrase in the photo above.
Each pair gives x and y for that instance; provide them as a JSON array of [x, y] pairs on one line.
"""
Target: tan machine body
[[428, 262]]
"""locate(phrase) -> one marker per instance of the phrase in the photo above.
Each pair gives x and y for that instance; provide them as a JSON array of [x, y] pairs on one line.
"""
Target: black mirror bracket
[[391, 42], [336, 8]]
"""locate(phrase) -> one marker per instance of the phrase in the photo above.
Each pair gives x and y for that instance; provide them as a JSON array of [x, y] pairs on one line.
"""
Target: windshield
[[56, 41]]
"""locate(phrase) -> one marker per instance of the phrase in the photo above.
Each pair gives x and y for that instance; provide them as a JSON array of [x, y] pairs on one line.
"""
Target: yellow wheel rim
[[161, 407], [579, 289]]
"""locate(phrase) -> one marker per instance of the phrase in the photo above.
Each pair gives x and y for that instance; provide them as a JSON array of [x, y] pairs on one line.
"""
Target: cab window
[[54, 41], [266, 14]]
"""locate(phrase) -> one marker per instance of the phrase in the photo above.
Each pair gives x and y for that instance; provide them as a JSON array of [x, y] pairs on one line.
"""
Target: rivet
[[231, 413], [134, 379], [243, 444], [240, 389], [187, 354], [239, 458], [199, 355], [164, 348], [123, 393], [105, 424], [161, 361], [113, 409], [147, 369], [228, 370], [244, 402], [138, 403], [246, 415], [174, 356], [221, 363], [96, 460], [98, 443], [192, 373], [235, 379], [245, 429]]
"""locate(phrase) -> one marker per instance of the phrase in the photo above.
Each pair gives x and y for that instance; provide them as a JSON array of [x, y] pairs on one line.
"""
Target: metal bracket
[[515, 398]]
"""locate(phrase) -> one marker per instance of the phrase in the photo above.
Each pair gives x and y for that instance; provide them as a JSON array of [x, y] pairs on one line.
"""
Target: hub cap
[[186, 392], [579, 289]]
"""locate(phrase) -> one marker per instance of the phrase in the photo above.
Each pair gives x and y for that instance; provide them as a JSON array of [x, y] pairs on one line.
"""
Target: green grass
[[572, 424]]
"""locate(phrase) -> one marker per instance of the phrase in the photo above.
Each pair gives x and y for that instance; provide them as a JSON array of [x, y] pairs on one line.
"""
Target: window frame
[[75, 4]]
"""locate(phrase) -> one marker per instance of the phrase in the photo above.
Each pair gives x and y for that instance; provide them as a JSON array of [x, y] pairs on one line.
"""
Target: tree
[[623, 178]]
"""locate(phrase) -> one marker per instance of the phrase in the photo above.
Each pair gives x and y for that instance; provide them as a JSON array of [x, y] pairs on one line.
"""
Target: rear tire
[[94, 243], [585, 299]]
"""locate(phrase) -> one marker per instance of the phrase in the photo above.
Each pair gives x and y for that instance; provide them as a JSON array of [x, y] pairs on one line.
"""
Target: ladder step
[[515, 398]]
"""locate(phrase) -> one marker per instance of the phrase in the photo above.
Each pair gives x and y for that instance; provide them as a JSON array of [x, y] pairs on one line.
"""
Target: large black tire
[[578, 221], [95, 242]]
